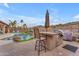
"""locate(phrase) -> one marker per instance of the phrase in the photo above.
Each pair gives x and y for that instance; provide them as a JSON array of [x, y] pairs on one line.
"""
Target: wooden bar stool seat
[[40, 44]]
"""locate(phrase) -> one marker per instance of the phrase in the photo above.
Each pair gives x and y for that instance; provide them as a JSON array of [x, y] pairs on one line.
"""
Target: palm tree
[[25, 27], [12, 24], [21, 22]]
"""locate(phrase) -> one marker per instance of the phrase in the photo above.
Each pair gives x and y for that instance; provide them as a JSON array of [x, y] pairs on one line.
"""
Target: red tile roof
[[3, 22]]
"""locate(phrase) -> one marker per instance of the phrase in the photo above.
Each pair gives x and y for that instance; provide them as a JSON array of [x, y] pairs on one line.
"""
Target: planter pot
[[16, 38]]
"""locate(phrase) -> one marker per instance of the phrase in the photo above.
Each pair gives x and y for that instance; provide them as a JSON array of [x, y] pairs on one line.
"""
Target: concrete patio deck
[[27, 49]]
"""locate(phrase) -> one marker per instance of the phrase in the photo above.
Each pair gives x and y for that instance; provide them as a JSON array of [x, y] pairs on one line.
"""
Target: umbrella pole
[[46, 35]]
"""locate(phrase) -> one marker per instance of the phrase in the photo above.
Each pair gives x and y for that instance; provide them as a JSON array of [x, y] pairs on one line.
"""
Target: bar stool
[[40, 41]]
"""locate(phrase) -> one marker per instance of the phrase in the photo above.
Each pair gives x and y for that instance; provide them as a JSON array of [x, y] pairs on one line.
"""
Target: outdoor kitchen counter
[[51, 39]]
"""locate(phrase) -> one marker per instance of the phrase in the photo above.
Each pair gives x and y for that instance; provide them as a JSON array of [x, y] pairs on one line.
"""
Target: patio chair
[[59, 39], [40, 41], [67, 35]]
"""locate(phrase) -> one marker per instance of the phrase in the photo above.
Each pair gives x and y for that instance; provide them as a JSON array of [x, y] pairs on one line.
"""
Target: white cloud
[[54, 17], [76, 17], [6, 5], [30, 21]]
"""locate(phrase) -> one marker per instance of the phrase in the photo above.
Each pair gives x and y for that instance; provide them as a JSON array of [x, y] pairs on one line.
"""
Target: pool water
[[24, 36]]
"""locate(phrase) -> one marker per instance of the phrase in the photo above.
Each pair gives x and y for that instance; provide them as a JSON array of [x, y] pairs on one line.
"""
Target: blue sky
[[34, 13]]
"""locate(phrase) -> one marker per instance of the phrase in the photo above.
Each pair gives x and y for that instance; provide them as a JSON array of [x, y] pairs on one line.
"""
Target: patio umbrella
[[47, 24]]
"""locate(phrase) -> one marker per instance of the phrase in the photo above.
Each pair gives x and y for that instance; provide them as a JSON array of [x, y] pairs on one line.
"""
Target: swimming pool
[[23, 37]]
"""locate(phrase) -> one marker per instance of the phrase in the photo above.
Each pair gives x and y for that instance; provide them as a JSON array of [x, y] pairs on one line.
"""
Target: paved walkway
[[18, 49], [27, 49], [4, 42], [3, 36]]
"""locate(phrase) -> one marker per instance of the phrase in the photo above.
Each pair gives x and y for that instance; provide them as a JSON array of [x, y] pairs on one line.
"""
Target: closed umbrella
[[47, 24]]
